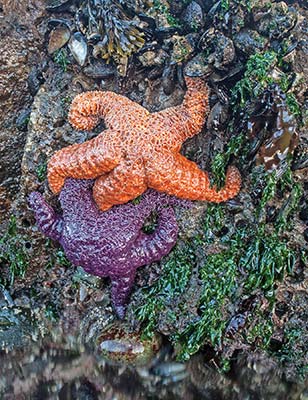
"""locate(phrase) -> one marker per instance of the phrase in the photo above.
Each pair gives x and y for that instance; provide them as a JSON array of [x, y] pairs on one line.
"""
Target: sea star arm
[[124, 183], [176, 175], [121, 287], [118, 111], [49, 223], [150, 248], [187, 119], [84, 161]]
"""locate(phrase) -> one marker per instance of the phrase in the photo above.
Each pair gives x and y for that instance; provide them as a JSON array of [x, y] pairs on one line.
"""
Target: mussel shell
[[193, 15], [169, 78], [198, 66], [58, 5], [300, 162], [221, 76], [218, 116], [79, 48], [98, 69], [248, 41], [58, 38]]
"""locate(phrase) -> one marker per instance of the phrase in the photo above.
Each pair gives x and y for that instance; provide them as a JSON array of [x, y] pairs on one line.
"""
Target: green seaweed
[[293, 105], [164, 9], [295, 349], [61, 258], [51, 312], [265, 260], [284, 220], [41, 172], [14, 259], [260, 329], [254, 260], [212, 222], [171, 284], [268, 192], [256, 77], [60, 57], [218, 276], [221, 160]]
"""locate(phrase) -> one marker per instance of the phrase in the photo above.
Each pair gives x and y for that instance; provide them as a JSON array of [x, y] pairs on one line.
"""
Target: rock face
[[235, 49], [20, 44]]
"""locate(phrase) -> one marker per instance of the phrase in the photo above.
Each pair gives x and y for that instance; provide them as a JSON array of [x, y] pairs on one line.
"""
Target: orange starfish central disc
[[138, 149]]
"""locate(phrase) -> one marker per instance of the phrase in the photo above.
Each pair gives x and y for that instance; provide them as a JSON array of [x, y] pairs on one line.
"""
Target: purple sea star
[[111, 243]]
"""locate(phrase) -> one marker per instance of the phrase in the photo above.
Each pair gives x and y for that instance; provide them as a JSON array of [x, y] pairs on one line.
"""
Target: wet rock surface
[[20, 44], [209, 295]]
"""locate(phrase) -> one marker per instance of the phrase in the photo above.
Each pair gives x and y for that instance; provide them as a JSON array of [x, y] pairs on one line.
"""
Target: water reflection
[[50, 370], [88, 354]]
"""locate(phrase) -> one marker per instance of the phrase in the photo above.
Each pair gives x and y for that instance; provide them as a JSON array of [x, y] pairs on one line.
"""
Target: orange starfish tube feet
[[138, 149]]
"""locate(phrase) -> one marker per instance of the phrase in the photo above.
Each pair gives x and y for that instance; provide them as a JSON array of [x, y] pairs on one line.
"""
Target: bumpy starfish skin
[[138, 150], [112, 243]]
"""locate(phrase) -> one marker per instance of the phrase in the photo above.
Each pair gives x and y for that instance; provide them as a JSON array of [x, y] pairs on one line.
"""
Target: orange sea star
[[138, 150]]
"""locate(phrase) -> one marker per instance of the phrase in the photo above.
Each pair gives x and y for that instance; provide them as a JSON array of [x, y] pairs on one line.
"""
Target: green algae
[[221, 160], [41, 172], [14, 259], [265, 260], [253, 261], [295, 349], [173, 282], [254, 258], [51, 312], [61, 258], [218, 277], [163, 9], [60, 57], [293, 105], [284, 220], [256, 77]]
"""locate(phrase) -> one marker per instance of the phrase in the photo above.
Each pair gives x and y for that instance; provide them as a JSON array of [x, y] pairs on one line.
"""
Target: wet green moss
[[14, 259]]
